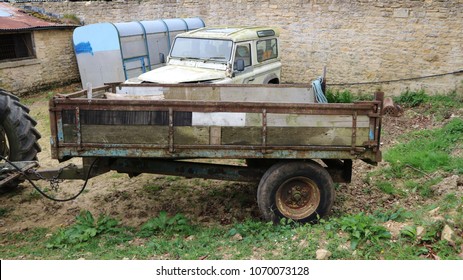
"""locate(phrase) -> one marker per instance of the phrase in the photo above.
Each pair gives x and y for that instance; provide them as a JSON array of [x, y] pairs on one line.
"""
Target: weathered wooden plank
[[218, 119], [323, 136], [298, 120], [233, 94], [241, 136], [206, 135], [192, 93], [191, 135], [278, 120], [294, 136], [267, 94], [215, 135]]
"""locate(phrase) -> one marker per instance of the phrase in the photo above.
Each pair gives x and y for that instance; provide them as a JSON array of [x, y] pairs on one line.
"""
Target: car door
[[243, 75]]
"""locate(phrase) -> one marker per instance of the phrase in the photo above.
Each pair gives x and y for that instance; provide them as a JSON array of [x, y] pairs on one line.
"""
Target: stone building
[[34, 53], [392, 45]]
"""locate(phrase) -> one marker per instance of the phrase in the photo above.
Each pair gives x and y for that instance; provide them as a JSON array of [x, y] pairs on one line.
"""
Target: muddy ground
[[135, 200]]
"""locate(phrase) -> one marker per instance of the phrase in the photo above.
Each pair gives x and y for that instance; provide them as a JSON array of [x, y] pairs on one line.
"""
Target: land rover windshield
[[207, 49]]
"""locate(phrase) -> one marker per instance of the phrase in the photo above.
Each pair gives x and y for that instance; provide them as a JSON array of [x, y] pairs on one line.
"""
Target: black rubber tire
[[17, 129], [317, 192]]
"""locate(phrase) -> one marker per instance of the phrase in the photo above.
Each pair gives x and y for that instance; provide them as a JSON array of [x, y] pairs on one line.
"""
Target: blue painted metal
[[114, 150], [194, 23], [83, 47], [98, 47], [59, 124]]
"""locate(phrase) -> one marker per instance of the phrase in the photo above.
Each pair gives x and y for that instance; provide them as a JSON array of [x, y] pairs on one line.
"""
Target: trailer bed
[[210, 121]]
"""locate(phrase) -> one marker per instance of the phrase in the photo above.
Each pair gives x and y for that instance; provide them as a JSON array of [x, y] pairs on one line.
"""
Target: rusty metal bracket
[[264, 130], [171, 130], [354, 132], [78, 129], [12, 173]]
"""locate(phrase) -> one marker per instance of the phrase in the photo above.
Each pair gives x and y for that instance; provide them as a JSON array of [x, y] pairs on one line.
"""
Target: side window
[[267, 49], [243, 52], [16, 46]]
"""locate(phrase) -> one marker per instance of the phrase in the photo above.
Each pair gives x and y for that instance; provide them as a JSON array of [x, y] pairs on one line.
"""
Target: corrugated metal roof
[[13, 19]]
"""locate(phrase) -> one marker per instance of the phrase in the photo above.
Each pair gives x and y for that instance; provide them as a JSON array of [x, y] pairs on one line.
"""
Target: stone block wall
[[359, 41], [55, 64]]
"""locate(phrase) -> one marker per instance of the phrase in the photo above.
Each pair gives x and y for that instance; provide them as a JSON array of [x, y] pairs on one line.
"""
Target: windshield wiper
[[216, 58], [188, 57]]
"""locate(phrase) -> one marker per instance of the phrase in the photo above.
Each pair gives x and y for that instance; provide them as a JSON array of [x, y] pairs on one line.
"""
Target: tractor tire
[[18, 136]]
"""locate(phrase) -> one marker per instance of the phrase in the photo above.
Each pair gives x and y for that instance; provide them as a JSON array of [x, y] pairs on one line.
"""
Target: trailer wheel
[[18, 136], [297, 190]]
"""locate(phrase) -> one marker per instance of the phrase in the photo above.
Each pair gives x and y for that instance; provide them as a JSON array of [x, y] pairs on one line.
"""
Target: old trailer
[[292, 146]]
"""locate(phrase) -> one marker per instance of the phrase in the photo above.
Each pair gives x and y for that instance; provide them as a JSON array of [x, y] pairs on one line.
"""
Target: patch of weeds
[[398, 215], [34, 195], [428, 150], [444, 251], [450, 201], [411, 98], [409, 232], [386, 187], [339, 96], [84, 229], [4, 212], [163, 224], [363, 228], [423, 188], [72, 18], [116, 175], [259, 230], [153, 189], [172, 178], [442, 105]]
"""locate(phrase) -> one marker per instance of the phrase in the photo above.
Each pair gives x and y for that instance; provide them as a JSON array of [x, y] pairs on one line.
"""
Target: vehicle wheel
[[18, 136], [298, 190]]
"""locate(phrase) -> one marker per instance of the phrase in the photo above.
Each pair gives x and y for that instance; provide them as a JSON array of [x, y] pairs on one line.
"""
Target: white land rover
[[221, 55]]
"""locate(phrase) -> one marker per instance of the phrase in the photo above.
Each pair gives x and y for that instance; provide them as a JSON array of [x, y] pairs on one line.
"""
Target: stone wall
[[54, 64], [358, 41]]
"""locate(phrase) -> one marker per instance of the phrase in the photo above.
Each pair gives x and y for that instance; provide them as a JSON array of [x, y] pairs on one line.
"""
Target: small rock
[[447, 185], [48, 235], [81, 259], [303, 243], [190, 238], [420, 232], [125, 259], [434, 211], [437, 218], [448, 234], [323, 254], [237, 237]]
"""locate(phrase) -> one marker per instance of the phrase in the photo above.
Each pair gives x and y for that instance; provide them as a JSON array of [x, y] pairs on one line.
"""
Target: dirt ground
[[135, 200]]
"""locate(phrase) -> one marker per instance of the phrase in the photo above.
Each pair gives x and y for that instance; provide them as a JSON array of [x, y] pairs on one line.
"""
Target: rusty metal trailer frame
[[171, 158]]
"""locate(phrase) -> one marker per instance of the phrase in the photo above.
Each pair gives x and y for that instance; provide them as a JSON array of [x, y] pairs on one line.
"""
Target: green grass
[[345, 96], [357, 236], [427, 151]]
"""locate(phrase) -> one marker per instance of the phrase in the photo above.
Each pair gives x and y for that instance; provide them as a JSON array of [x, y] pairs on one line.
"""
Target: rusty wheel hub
[[297, 198]]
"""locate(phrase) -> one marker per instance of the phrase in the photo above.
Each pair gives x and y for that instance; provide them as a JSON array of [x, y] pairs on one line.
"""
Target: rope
[[317, 88]]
